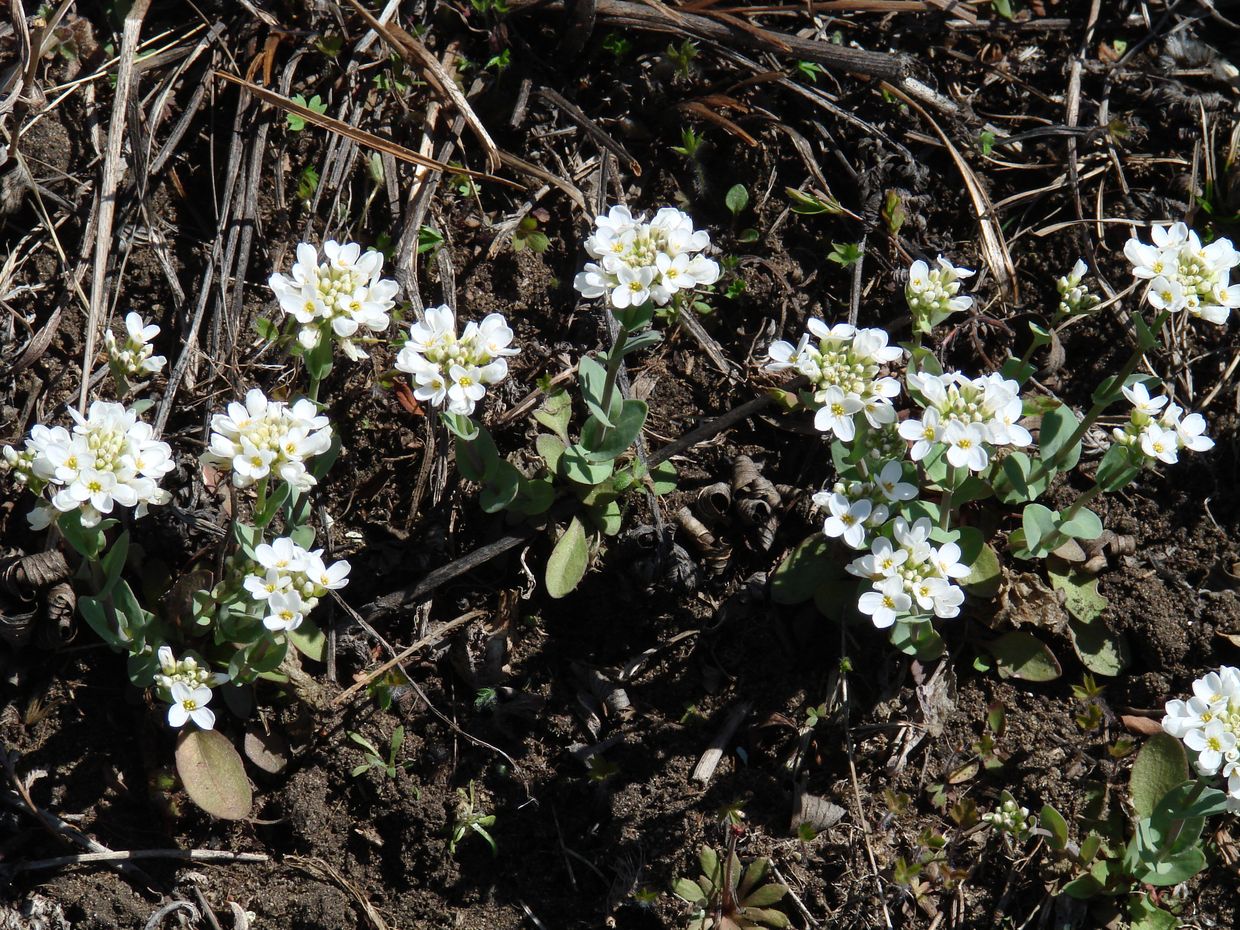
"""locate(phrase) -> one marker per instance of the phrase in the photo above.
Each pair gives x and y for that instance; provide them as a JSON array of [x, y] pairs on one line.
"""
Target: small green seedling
[[470, 819], [296, 122], [725, 897], [374, 759]]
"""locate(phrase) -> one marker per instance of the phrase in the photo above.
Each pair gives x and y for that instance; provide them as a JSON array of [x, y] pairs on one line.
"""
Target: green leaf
[[96, 617], [985, 573], [651, 337], [460, 426], [500, 488], [799, 575], [1038, 523], [753, 876], [766, 895], [113, 562], [1083, 888], [308, 640], [1053, 821], [593, 379], [266, 329], [606, 515], [213, 774], [1084, 524], [1118, 468], [1143, 914], [1101, 650], [478, 460], [319, 359], [575, 465], [917, 638], [1058, 424], [534, 496], [1081, 596], [736, 199], [663, 476], [1012, 480], [603, 443], [275, 500], [708, 859], [1161, 765], [569, 559], [688, 890], [248, 538], [87, 541], [550, 448], [767, 917], [1171, 871], [1024, 656], [555, 412]]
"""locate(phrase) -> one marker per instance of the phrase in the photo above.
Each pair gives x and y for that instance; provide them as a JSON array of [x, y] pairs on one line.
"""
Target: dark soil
[[596, 810]]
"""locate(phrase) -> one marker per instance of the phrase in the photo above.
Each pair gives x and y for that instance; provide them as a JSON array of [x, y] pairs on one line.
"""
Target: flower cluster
[[968, 415], [110, 458], [289, 580], [135, 357], [853, 507], [637, 261], [1209, 724], [268, 437], [1074, 297], [1011, 818], [1159, 429], [338, 297], [911, 579], [451, 370], [186, 685], [1183, 274], [933, 294], [844, 365]]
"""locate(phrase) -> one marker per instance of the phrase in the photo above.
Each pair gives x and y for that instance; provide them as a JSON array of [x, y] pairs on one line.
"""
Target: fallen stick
[[882, 65], [704, 771], [127, 855]]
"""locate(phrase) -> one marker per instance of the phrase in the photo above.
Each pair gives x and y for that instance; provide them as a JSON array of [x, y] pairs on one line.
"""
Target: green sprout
[[470, 819]]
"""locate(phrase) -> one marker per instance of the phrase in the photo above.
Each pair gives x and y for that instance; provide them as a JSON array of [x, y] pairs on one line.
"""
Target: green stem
[[314, 389], [1045, 467], [945, 505], [260, 500], [1082, 499], [615, 358]]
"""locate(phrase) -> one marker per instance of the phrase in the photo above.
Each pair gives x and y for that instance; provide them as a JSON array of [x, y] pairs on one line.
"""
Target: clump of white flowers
[[1158, 429], [135, 357], [109, 459], [1011, 818], [854, 507], [187, 671], [845, 368], [288, 580], [339, 297], [264, 437], [910, 580], [933, 294], [1185, 275], [1209, 724], [636, 261], [969, 415], [1074, 296], [451, 370]]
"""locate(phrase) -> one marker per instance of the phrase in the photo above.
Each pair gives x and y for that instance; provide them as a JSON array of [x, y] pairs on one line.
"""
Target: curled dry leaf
[[1024, 599]]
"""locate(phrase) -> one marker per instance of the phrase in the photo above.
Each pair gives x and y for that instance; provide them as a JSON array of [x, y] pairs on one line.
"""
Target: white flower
[[844, 365], [1159, 443], [924, 574], [285, 612], [637, 261], [135, 357], [891, 484], [933, 294], [885, 603], [1139, 396], [966, 446], [1183, 275], [264, 437], [454, 372], [190, 704], [847, 520], [110, 458], [1211, 744], [836, 413], [338, 297], [1074, 297]]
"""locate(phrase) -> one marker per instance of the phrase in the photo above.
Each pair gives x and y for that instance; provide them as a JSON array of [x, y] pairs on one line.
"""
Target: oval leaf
[[568, 561], [1024, 656], [213, 774], [1161, 765]]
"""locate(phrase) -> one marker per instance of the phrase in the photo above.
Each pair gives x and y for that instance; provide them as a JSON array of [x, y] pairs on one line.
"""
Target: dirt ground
[[1071, 123]]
